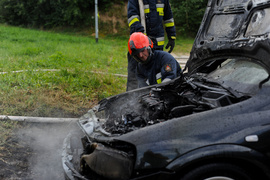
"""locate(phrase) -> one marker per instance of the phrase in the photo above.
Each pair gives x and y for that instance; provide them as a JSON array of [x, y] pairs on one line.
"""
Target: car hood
[[232, 29], [226, 125], [159, 144]]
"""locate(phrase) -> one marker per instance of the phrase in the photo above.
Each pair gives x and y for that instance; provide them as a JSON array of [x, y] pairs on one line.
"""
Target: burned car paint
[[232, 29], [210, 123]]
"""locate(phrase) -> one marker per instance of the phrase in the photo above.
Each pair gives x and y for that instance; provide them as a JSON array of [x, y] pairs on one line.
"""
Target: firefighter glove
[[170, 44]]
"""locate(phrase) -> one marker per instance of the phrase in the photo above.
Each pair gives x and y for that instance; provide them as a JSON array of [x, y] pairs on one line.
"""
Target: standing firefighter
[[156, 13]]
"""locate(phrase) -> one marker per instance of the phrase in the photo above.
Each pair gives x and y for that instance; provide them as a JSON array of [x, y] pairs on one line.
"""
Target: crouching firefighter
[[154, 66]]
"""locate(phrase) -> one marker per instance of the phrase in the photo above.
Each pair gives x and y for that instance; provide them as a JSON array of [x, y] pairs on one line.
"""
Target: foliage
[[79, 13], [188, 15], [47, 13]]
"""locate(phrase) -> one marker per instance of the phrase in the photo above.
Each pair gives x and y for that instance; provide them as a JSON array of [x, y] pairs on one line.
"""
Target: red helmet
[[137, 43]]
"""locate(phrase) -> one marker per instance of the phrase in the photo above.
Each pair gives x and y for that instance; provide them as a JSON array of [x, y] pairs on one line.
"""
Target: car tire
[[218, 171]]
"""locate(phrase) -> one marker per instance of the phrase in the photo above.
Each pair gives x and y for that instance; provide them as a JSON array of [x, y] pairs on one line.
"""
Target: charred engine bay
[[191, 96]]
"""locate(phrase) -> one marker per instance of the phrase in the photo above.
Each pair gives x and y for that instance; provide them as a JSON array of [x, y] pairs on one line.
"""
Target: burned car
[[212, 123]]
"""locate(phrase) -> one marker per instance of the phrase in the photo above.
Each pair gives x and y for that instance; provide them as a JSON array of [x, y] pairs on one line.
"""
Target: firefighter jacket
[[161, 67], [156, 12]]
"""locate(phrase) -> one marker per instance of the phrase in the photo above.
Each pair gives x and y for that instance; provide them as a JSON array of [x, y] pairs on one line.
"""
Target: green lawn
[[58, 74], [51, 74]]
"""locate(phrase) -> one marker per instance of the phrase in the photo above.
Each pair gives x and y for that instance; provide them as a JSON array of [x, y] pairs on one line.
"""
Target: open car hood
[[232, 29]]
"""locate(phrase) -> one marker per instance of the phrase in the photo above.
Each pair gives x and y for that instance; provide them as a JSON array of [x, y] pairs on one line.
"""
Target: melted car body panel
[[232, 28]]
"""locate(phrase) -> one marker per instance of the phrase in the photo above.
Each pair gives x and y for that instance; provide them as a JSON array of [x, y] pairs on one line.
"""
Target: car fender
[[220, 151]]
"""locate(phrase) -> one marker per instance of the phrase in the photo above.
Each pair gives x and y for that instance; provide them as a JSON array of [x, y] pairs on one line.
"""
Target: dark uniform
[[161, 66], [156, 12]]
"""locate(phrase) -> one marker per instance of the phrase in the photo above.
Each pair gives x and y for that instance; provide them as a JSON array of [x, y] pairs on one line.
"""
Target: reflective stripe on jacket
[[157, 13]]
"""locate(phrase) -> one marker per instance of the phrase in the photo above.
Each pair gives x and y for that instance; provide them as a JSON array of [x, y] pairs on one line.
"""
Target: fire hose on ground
[[37, 119]]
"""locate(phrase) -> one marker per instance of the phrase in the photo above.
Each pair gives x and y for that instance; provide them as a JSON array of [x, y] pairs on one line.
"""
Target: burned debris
[[193, 95]]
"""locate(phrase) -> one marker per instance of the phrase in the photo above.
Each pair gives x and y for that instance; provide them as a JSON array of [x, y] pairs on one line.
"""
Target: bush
[[48, 13], [80, 13], [188, 15]]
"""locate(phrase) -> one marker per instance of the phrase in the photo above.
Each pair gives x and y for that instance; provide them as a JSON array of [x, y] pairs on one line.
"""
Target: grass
[[6, 130], [183, 45], [58, 74], [71, 85]]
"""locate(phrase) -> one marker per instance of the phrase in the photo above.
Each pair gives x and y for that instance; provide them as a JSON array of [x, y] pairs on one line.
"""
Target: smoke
[[45, 142]]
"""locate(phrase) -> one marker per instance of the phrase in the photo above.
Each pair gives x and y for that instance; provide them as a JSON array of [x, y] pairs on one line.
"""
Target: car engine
[[168, 102]]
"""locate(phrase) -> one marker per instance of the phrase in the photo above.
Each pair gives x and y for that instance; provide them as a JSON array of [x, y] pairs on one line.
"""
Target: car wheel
[[217, 171]]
